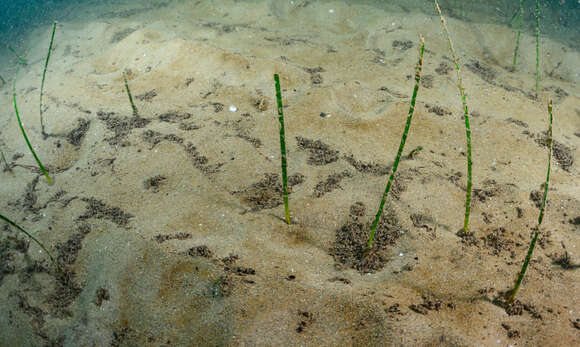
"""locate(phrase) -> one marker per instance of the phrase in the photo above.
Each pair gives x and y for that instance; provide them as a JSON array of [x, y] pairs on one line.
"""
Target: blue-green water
[[560, 19]]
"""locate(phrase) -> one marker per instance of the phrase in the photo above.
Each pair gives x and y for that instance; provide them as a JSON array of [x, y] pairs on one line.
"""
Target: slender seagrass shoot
[[418, 71], [466, 116], [9, 221], [44, 76], [514, 291], [135, 113], [282, 148], [44, 172], [521, 15]]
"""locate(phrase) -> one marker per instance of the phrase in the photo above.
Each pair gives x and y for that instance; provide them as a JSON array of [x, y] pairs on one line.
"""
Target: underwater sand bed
[[168, 219]]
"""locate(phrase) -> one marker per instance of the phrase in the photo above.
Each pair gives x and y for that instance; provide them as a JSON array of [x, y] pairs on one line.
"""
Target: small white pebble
[[393, 24], [233, 108], [155, 151], [331, 11], [401, 254]]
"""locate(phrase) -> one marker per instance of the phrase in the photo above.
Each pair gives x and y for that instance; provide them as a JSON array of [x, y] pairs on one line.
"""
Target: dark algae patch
[[121, 126], [99, 210], [267, 193], [75, 137], [320, 153], [351, 240], [331, 183], [485, 72], [154, 183], [363, 167]]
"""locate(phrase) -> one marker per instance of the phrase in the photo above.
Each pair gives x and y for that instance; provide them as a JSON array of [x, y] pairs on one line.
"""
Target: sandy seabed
[[169, 222]]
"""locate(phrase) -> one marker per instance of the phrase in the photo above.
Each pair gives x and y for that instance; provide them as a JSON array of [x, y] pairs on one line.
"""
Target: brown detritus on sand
[[562, 154], [485, 72], [188, 126], [121, 35], [496, 241], [65, 293], [536, 196], [320, 153], [68, 251], [241, 271], [30, 198], [559, 93], [121, 126], [468, 239], [438, 110], [315, 75], [147, 96], [511, 333], [200, 251], [7, 256], [339, 279], [517, 122], [331, 183], [99, 210], [267, 193], [257, 143], [178, 236], [402, 45], [154, 183], [372, 168], [201, 162], [350, 245], [261, 103], [75, 137], [491, 189], [429, 304], [174, 117], [443, 68], [154, 138], [427, 81], [35, 313], [102, 294], [306, 318]]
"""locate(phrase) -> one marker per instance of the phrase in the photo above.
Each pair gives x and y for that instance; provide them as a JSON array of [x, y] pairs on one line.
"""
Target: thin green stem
[[466, 116], [282, 148], [514, 291], [549, 143], [418, 72], [44, 172], [21, 60], [519, 31], [44, 76], [135, 113], [7, 220]]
